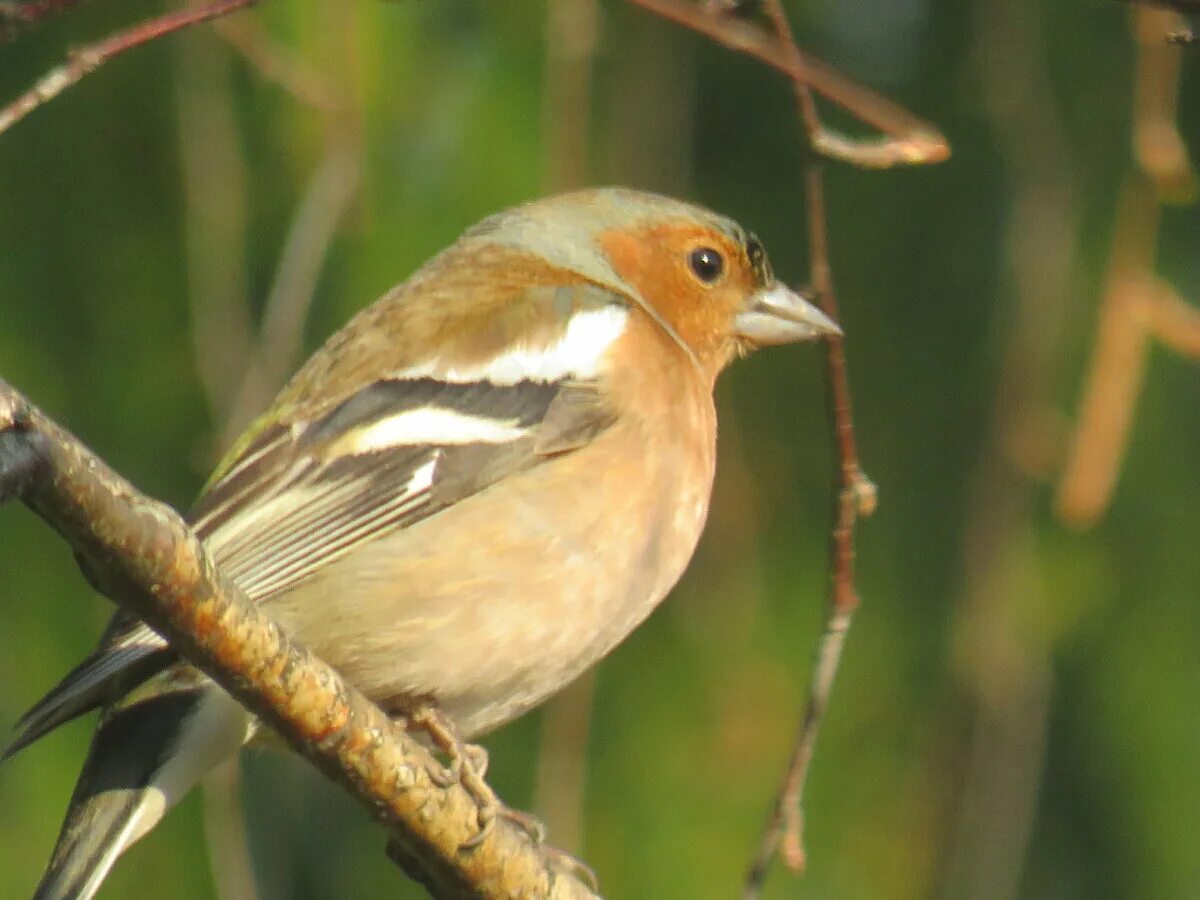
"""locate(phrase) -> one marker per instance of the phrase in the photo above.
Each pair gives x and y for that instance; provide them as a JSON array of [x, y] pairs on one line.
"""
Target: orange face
[[697, 278]]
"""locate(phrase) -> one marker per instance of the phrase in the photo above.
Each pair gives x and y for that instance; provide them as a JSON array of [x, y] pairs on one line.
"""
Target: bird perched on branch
[[468, 496]]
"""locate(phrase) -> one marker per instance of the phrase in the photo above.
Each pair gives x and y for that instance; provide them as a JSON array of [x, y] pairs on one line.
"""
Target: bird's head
[[702, 278]]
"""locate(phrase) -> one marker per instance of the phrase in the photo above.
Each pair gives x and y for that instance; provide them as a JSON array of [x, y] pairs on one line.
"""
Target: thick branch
[[141, 554]]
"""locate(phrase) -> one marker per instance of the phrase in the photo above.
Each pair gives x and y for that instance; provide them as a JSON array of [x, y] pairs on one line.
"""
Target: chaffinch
[[467, 497]]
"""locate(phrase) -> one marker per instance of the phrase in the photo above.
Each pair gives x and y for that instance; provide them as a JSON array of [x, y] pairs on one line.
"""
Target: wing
[[305, 494], [300, 495], [304, 489]]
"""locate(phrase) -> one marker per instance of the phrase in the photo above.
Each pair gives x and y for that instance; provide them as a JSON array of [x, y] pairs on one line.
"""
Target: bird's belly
[[511, 615]]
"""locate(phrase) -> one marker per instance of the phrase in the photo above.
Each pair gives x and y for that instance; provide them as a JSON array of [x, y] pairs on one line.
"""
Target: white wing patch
[[422, 478], [579, 353], [429, 426]]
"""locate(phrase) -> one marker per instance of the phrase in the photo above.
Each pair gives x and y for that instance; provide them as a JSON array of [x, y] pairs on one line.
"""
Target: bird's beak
[[779, 315]]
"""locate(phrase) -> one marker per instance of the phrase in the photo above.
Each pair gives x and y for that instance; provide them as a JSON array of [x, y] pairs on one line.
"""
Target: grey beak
[[779, 315]]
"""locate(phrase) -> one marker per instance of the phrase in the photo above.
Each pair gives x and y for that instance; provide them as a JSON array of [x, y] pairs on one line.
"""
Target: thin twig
[[88, 59], [1174, 321], [909, 140], [855, 496]]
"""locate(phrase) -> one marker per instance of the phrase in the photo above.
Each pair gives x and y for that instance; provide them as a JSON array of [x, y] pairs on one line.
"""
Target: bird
[[467, 497]]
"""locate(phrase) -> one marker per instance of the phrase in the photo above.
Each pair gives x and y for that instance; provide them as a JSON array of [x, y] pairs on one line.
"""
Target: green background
[[1017, 714]]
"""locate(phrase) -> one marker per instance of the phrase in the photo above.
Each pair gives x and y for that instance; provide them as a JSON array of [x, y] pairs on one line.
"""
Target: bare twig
[[784, 833], [856, 496], [141, 554], [908, 139], [91, 57]]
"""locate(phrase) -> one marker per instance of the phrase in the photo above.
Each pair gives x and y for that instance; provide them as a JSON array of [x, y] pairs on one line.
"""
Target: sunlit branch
[[141, 554]]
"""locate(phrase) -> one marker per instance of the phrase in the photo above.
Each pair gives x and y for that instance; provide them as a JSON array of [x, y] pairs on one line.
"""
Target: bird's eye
[[707, 264]]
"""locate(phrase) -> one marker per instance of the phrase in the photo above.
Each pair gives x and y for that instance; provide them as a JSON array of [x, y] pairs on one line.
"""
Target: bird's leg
[[468, 765], [444, 737]]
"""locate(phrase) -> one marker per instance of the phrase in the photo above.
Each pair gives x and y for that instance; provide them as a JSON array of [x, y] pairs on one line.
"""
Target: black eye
[[707, 263]]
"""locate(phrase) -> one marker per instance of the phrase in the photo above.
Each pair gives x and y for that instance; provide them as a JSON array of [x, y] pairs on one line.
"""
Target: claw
[[468, 764], [573, 866], [528, 823]]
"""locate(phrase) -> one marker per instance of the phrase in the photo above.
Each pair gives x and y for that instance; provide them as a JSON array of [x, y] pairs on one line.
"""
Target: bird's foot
[[562, 861], [467, 766]]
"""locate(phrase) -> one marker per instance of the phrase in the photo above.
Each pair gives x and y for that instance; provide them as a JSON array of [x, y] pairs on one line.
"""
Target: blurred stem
[[559, 792], [1005, 664], [330, 192], [1137, 305], [277, 63], [571, 35], [214, 217], [1119, 358], [650, 108], [572, 31], [225, 833]]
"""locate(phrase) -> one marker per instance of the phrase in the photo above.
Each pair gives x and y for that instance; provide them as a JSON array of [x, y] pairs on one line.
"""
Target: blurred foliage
[[1096, 634]]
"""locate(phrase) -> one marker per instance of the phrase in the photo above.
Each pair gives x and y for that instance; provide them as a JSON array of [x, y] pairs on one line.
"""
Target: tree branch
[[141, 554], [91, 57], [905, 139]]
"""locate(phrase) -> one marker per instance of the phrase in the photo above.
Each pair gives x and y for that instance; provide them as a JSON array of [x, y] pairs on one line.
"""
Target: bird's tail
[[145, 756]]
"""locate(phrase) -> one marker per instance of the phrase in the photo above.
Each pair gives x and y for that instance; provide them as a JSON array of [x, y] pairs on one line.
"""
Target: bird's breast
[[499, 601]]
